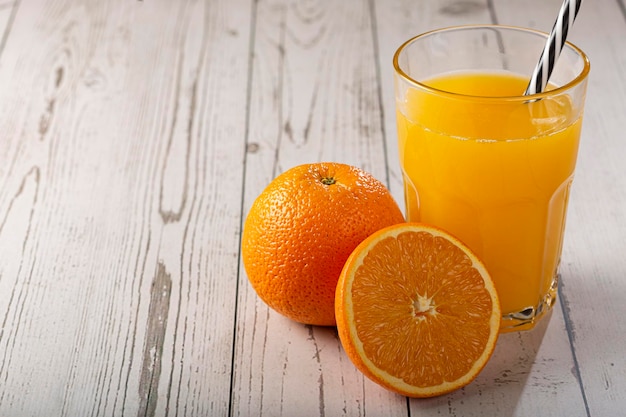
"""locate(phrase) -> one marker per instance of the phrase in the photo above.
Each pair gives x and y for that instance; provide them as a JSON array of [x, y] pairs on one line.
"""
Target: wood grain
[[592, 274], [124, 139], [314, 97], [8, 8], [531, 374], [135, 135]]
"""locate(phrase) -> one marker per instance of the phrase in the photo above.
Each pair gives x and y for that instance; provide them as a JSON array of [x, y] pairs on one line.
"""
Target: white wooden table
[[134, 136]]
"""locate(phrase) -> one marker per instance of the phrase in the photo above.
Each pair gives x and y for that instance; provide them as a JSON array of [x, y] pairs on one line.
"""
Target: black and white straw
[[554, 45]]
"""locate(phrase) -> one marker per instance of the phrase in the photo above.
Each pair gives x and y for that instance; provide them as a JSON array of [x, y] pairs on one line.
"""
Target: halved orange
[[417, 311]]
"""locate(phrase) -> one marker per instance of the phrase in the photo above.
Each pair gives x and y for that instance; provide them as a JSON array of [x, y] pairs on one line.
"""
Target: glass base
[[527, 318]]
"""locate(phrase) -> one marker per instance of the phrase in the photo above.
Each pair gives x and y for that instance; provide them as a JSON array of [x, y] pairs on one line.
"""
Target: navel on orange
[[301, 229], [417, 312]]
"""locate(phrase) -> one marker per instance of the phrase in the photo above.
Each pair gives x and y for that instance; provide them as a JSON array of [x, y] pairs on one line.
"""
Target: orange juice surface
[[494, 172]]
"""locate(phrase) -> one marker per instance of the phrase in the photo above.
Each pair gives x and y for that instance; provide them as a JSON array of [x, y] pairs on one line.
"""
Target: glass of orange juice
[[486, 163]]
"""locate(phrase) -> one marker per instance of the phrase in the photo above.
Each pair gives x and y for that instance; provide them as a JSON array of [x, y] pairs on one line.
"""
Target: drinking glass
[[485, 162]]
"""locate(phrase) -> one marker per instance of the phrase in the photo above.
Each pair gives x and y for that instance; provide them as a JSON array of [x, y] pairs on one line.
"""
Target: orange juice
[[494, 172]]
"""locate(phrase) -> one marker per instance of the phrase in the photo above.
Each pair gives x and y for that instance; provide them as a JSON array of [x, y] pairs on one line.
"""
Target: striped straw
[[553, 47]]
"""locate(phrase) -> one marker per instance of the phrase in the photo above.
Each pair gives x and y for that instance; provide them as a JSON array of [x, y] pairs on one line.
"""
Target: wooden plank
[[529, 373], [593, 269], [124, 127], [120, 194], [314, 97], [8, 9]]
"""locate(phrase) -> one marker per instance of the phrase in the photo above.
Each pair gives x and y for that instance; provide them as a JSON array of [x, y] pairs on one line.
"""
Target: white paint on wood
[[121, 193], [134, 136], [526, 376], [593, 284], [314, 97]]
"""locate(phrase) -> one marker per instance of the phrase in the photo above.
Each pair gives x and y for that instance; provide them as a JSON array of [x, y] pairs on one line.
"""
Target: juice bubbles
[[496, 173]]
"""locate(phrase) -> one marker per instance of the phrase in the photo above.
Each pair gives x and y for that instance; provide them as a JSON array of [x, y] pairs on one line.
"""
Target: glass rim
[[548, 93]]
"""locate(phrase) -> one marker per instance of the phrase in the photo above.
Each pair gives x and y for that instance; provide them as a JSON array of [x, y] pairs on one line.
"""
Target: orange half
[[417, 311]]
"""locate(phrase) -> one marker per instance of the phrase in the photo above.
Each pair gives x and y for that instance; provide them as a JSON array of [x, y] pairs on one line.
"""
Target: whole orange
[[302, 228]]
